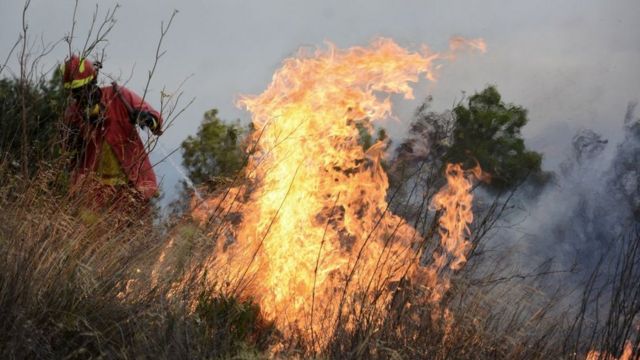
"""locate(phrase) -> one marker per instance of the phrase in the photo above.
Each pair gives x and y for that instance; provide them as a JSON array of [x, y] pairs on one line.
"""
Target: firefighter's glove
[[146, 119]]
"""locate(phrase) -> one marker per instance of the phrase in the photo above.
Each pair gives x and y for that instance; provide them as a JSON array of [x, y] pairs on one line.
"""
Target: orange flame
[[314, 229], [454, 201], [627, 354]]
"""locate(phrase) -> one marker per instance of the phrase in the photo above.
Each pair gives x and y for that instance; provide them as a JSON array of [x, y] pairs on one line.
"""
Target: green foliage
[[232, 323], [215, 151], [44, 102], [366, 139], [487, 131]]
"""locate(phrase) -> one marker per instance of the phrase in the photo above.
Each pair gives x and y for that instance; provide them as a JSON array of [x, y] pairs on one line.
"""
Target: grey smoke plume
[[591, 203]]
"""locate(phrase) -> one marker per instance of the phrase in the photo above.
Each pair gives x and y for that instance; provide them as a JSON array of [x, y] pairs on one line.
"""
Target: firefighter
[[110, 162]]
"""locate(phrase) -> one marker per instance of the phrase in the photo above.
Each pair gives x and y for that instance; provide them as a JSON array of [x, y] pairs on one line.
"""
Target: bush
[[215, 152], [231, 323], [45, 102]]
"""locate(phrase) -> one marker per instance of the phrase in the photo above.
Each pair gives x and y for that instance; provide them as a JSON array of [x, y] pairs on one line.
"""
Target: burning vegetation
[[315, 240]]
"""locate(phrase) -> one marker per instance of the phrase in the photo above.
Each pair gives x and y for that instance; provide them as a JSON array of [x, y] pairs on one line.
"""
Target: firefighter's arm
[[146, 115]]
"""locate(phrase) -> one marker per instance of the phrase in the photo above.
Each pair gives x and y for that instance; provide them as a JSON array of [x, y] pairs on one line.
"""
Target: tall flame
[[454, 201], [311, 227], [627, 354]]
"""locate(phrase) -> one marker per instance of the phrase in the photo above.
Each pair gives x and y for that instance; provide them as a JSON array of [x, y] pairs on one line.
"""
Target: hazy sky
[[571, 63]]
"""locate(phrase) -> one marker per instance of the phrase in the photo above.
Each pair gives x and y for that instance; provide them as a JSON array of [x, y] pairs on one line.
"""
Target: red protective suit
[[121, 135]]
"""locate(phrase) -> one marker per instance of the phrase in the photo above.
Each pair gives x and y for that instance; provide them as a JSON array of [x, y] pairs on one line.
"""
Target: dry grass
[[77, 284]]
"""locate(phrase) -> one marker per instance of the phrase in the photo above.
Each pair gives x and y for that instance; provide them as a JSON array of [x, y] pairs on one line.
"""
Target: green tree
[[483, 130], [45, 101], [215, 152], [366, 138], [487, 131]]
